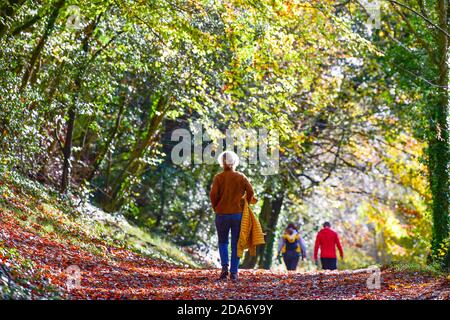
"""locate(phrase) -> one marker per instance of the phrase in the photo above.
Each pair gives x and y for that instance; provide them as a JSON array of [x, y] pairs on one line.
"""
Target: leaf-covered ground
[[114, 273], [41, 236]]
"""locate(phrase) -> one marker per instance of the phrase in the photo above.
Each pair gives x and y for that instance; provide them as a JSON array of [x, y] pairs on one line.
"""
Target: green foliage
[[434, 268], [20, 280], [355, 259]]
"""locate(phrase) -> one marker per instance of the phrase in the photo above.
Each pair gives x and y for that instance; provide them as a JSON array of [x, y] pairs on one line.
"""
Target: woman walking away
[[226, 194], [291, 246]]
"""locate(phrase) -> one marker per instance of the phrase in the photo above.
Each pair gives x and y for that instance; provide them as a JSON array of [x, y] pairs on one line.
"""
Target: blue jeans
[[225, 223]]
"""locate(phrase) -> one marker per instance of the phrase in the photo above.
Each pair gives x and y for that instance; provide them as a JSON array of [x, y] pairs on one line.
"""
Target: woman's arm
[[248, 189], [302, 246], [214, 194]]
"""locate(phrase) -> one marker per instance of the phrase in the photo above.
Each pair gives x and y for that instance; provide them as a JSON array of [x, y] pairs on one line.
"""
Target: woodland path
[[116, 273]]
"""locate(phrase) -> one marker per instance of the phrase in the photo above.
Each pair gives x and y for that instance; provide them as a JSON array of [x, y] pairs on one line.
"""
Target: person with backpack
[[327, 240], [291, 246]]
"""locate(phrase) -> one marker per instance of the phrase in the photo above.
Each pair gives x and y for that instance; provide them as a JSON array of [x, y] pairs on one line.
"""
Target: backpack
[[291, 243]]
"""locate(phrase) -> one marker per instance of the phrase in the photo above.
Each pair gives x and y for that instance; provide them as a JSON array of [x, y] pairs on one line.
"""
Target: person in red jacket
[[327, 240]]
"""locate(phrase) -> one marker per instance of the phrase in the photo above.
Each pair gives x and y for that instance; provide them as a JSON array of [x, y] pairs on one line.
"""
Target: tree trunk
[[67, 150], [112, 135], [162, 196], [38, 49], [249, 261], [133, 166], [439, 140], [268, 218]]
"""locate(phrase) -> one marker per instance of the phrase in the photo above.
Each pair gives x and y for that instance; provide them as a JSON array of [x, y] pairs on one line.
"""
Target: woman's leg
[[291, 260], [235, 230], [287, 261], [295, 259], [223, 230]]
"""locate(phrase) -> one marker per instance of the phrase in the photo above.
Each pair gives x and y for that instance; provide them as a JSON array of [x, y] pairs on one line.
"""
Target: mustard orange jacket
[[227, 190], [251, 233]]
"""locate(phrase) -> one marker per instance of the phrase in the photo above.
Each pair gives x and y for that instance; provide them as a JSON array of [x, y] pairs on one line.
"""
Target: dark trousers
[[329, 263], [224, 224], [290, 259]]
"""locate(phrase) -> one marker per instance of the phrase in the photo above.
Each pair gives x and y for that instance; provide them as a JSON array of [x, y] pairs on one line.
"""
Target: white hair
[[230, 157]]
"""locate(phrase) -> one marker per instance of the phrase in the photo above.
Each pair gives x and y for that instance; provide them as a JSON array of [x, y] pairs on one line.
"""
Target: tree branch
[[431, 23], [424, 44], [422, 8]]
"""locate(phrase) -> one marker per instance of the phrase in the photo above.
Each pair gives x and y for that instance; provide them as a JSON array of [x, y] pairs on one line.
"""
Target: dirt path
[[122, 274]]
